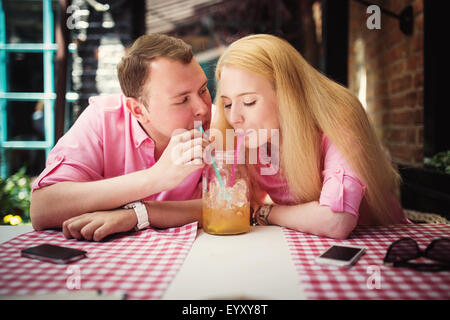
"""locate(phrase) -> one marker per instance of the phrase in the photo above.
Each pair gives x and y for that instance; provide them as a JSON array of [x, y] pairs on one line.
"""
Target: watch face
[[131, 205]]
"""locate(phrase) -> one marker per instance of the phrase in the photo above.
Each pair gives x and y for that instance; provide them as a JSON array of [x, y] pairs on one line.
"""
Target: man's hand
[[97, 225], [182, 156]]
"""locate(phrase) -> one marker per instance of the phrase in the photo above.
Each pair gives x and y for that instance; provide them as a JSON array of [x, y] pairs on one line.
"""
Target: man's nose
[[201, 107]]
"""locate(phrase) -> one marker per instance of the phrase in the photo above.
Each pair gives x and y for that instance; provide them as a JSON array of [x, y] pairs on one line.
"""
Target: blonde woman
[[333, 171]]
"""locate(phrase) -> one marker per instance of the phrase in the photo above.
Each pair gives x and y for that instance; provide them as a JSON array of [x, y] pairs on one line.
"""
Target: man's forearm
[[167, 214], [161, 214], [52, 205]]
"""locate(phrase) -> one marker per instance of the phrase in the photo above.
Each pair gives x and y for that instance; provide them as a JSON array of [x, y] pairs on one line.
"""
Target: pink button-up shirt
[[342, 189], [107, 141]]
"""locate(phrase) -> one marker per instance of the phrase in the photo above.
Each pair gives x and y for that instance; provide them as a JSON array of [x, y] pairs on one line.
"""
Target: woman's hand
[[97, 225]]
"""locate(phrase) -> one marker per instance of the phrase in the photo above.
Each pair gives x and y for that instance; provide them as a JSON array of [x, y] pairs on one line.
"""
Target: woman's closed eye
[[247, 104]]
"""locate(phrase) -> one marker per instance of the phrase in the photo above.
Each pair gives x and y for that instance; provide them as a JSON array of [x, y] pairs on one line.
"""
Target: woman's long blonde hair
[[310, 105]]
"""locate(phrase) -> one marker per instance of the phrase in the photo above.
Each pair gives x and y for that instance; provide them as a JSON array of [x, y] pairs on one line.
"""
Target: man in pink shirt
[[127, 149]]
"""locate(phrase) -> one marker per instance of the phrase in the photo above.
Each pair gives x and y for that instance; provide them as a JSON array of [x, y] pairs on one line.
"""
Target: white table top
[[9, 232], [255, 265]]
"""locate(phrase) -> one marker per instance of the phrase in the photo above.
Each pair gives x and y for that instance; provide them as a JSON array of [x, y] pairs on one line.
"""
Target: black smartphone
[[54, 254], [341, 255]]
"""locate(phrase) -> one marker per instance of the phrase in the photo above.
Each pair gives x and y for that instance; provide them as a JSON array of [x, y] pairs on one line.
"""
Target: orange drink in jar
[[226, 205]]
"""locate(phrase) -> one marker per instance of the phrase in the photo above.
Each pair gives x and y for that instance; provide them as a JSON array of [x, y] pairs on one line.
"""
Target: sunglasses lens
[[439, 250], [402, 250]]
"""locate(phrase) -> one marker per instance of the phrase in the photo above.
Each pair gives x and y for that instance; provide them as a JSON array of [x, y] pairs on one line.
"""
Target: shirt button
[[337, 170]]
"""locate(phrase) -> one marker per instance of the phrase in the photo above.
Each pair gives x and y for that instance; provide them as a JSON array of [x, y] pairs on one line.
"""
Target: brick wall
[[386, 72]]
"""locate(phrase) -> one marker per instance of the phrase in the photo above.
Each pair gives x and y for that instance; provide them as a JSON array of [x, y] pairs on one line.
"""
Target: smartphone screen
[[341, 253], [54, 254]]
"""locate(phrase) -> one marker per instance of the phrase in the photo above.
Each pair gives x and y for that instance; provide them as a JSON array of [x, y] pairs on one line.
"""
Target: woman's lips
[[243, 132]]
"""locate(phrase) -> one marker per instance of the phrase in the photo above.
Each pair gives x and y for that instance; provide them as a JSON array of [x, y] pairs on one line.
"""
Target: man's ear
[[137, 108]]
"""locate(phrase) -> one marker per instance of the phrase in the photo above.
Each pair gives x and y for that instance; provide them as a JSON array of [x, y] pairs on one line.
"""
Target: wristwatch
[[262, 214], [141, 214]]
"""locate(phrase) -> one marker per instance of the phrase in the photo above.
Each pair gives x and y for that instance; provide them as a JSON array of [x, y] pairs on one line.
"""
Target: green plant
[[15, 195], [440, 161]]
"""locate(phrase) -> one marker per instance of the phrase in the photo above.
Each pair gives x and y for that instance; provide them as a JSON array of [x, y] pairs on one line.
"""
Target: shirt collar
[[139, 134]]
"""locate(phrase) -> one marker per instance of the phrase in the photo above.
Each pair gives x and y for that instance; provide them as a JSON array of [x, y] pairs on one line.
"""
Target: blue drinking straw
[[214, 163], [216, 170]]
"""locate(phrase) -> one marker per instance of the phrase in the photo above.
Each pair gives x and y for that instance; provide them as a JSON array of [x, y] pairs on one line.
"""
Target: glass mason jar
[[226, 204]]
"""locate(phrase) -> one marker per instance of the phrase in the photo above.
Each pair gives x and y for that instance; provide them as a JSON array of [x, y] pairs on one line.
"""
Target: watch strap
[[262, 214], [141, 214]]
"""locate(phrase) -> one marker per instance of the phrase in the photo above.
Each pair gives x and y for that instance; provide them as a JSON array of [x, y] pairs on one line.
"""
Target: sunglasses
[[401, 251]]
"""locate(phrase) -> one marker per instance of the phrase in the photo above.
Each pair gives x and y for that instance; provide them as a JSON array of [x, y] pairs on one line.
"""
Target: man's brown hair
[[134, 69]]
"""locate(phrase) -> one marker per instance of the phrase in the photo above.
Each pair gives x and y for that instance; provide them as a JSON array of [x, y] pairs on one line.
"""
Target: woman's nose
[[235, 116]]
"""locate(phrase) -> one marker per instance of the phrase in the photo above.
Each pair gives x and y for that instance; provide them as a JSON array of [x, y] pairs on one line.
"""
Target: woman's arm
[[167, 214], [314, 219]]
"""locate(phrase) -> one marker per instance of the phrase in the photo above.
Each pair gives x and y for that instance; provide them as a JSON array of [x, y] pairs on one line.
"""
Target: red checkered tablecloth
[[140, 265], [368, 278]]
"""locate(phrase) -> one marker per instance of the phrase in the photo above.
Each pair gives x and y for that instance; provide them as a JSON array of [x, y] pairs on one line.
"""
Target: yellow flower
[[15, 220], [12, 220], [7, 218]]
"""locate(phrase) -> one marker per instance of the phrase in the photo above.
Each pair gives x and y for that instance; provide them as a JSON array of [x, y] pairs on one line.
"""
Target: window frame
[[48, 48]]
